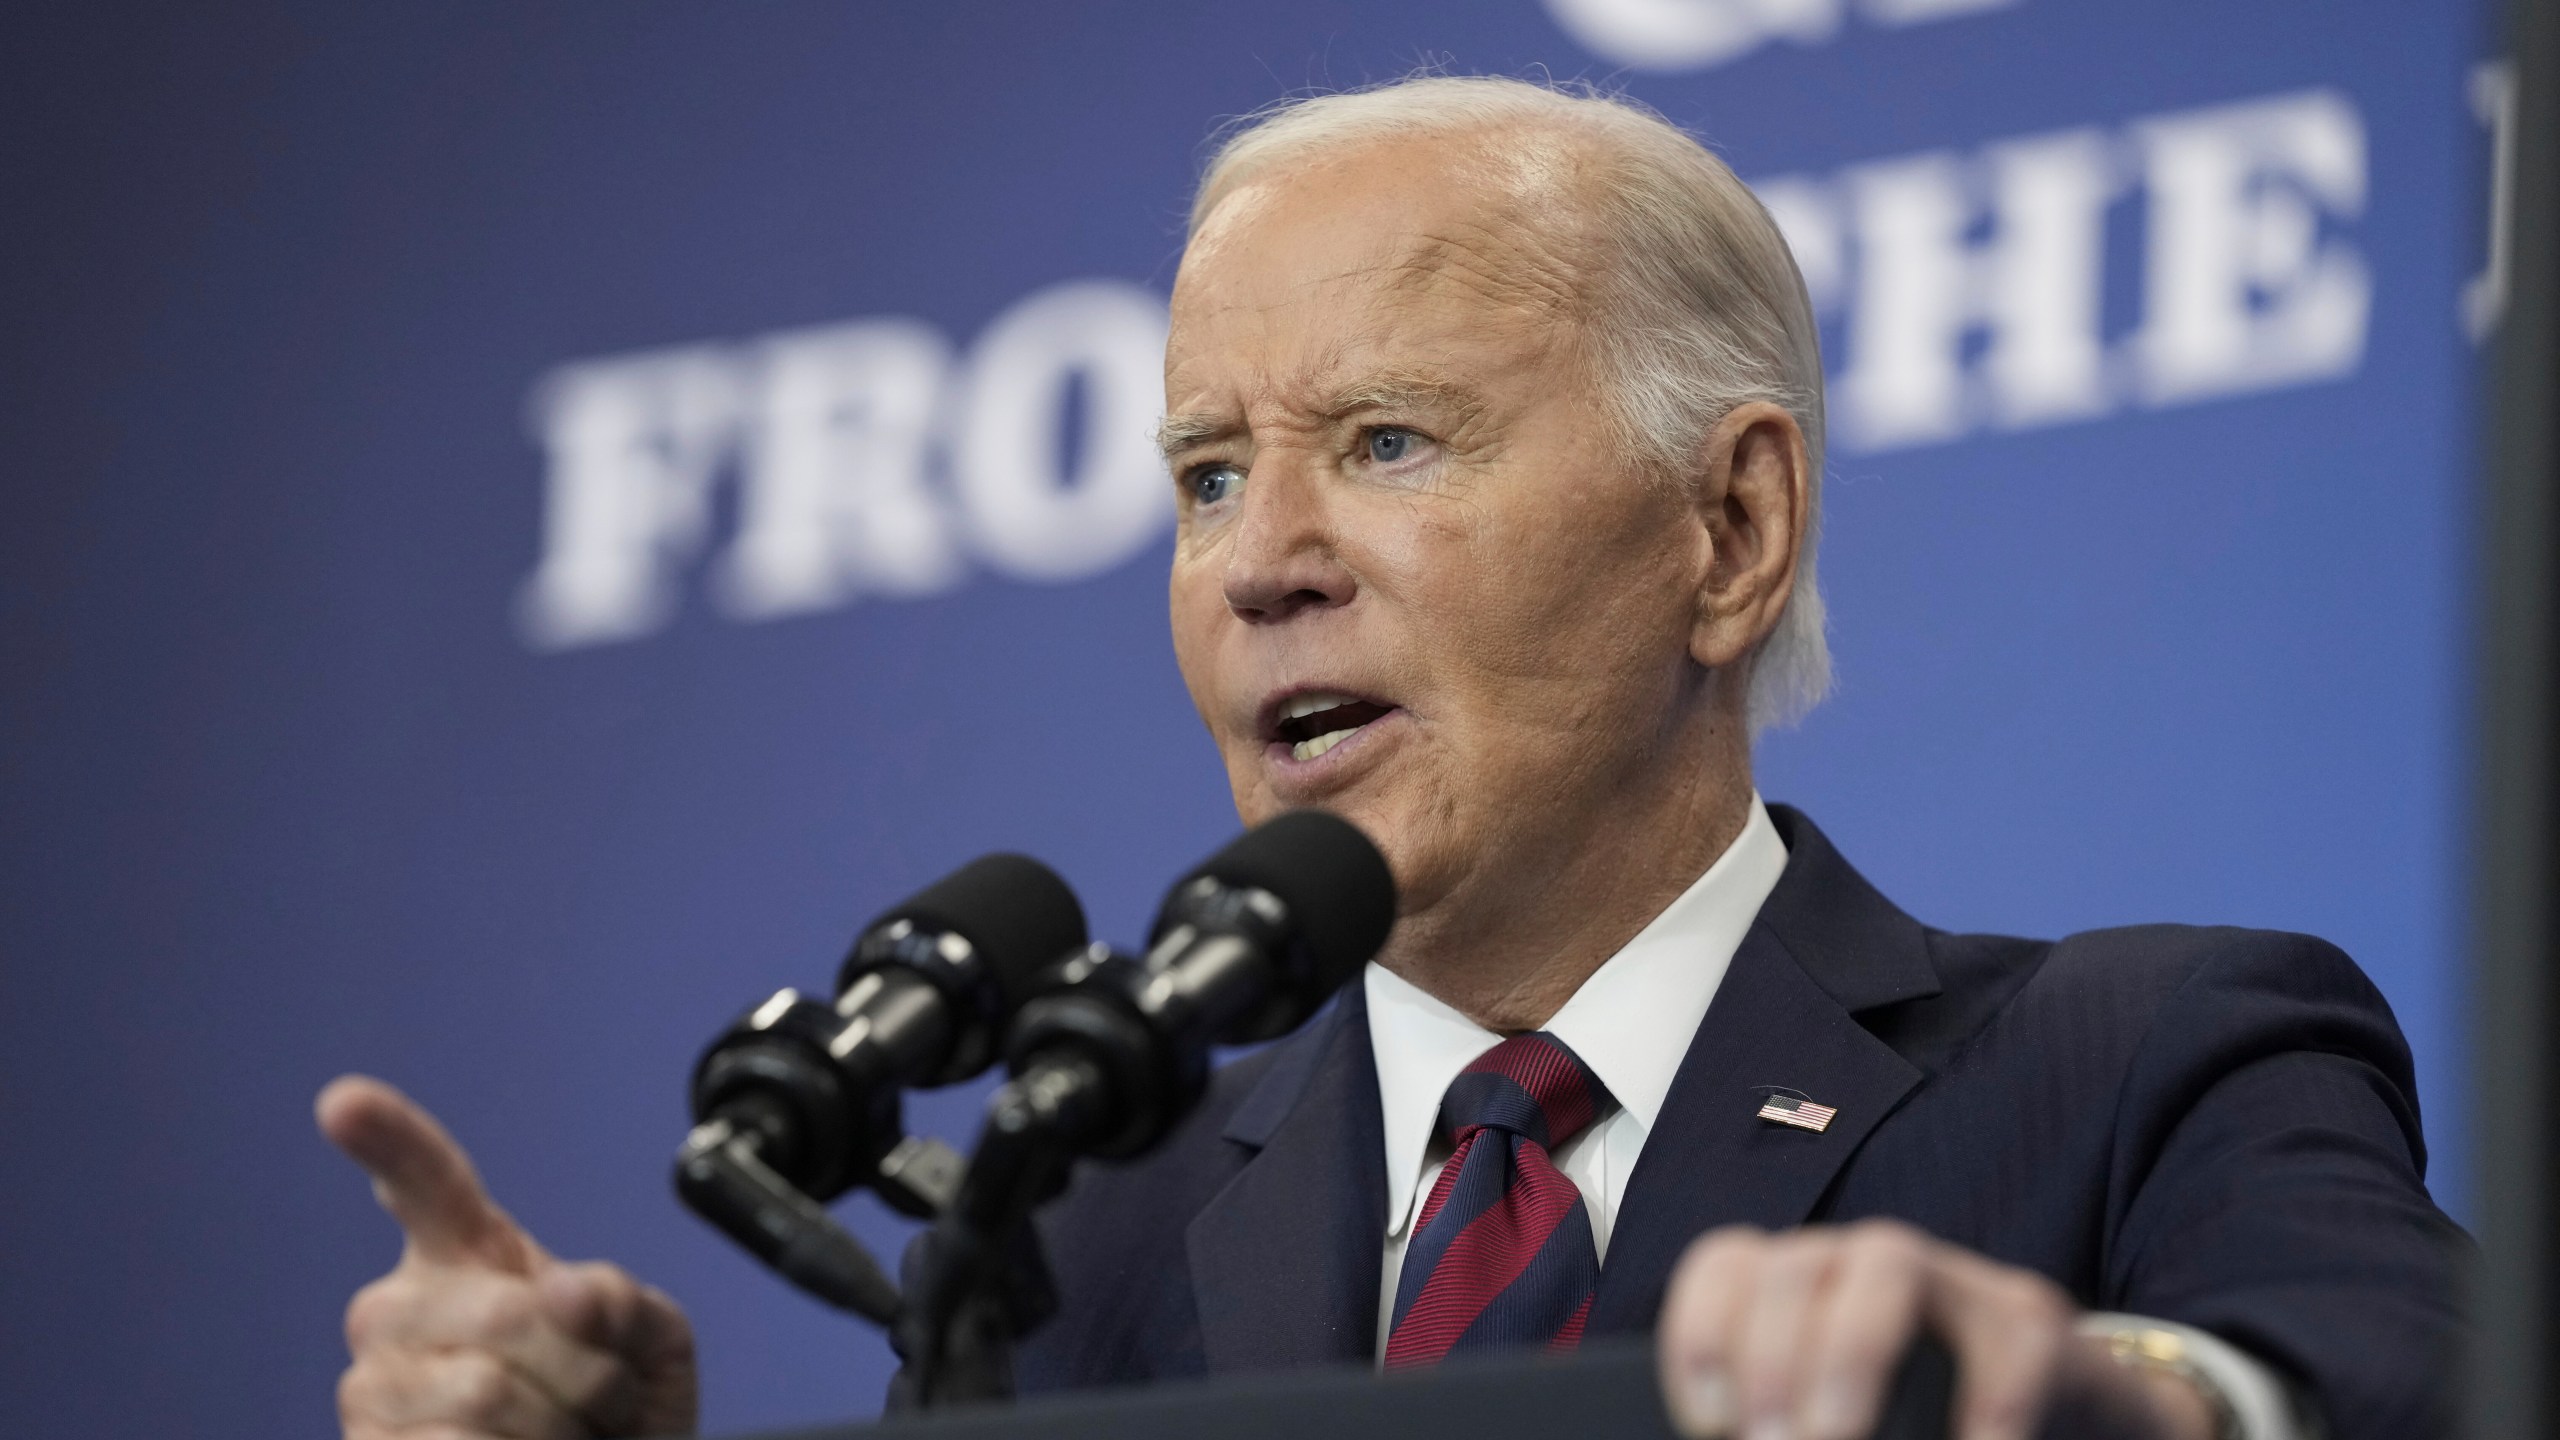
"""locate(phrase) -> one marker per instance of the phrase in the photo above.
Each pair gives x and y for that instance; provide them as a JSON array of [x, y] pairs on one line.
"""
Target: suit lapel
[[1825, 946], [1284, 1260]]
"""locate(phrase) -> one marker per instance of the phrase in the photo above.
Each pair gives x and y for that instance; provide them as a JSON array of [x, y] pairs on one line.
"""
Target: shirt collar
[[1631, 1022]]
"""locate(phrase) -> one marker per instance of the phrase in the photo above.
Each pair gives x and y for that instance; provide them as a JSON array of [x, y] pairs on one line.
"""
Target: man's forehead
[[1386, 271], [1401, 216], [1423, 309], [1471, 275], [1418, 355]]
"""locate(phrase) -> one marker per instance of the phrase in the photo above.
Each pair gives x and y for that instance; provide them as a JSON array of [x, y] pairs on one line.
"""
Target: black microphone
[[1111, 1053], [1246, 947], [799, 1101]]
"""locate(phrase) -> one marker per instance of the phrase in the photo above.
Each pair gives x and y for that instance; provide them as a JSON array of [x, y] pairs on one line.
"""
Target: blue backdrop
[[526, 524]]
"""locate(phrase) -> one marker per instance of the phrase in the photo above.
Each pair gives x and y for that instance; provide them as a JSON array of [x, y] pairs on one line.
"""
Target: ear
[[1753, 492]]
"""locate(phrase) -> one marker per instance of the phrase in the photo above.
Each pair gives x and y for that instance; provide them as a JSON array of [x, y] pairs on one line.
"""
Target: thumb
[[603, 1306], [422, 1177]]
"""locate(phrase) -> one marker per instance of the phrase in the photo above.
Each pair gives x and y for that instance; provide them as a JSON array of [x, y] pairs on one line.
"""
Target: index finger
[[2009, 1330], [422, 1177], [1696, 1340]]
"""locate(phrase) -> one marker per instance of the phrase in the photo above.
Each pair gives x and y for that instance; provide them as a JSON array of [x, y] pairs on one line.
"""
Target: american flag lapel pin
[[1797, 1111]]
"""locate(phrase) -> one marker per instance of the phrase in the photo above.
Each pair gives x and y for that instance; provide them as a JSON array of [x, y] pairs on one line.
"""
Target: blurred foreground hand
[[478, 1332], [1797, 1336]]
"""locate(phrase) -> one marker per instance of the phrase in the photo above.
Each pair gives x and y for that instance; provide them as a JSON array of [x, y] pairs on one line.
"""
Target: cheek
[[1564, 609], [1195, 637], [1425, 564]]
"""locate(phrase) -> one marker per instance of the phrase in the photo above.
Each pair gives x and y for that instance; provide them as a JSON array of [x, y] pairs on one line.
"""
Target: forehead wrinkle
[[1479, 261], [1522, 236], [1513, 246], [1186, 430]]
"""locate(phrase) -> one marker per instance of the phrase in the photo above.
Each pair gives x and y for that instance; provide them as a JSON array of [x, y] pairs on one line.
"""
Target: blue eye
[[1212, 483], [1387, 445]]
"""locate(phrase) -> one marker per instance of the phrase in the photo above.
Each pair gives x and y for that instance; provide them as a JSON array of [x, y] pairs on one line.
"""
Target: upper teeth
[[1310, 704]]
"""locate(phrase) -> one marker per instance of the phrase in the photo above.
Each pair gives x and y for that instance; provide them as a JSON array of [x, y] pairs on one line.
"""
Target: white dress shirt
[[1632, 1023]]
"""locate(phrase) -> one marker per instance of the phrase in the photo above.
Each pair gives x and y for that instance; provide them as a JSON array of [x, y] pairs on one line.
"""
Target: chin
[[1391, 826], [1383, 815]]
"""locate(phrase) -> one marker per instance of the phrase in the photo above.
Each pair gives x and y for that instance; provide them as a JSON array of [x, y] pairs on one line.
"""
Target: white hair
[[1700, 304]]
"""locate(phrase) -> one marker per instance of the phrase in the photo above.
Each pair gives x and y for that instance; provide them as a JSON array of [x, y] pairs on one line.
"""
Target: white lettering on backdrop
[[1674, 35], [1968, 291], [634, 444], [834, 499], [1971, 286], [869, 461]]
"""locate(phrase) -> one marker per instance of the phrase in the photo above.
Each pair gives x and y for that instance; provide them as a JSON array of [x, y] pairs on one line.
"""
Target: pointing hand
[[478, 1333]]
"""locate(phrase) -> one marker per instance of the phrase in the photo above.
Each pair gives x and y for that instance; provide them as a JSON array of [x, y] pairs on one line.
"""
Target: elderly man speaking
[[1494, 415]]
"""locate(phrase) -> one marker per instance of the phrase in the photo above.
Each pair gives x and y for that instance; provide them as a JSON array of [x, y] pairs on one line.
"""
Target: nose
[[1284, 560]]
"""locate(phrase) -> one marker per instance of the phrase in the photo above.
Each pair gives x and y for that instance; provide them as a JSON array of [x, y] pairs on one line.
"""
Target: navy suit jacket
[[2212, 1126]]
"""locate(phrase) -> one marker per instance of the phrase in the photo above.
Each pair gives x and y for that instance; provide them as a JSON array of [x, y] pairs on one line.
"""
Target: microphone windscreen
[[1016, 912], [1340, 894]]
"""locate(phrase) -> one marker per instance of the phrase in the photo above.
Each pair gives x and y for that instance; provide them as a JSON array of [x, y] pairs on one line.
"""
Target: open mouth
[[1314, 723]]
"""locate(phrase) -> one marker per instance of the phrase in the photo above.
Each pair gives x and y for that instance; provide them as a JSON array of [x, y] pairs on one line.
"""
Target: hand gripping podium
[[1607, 1391]]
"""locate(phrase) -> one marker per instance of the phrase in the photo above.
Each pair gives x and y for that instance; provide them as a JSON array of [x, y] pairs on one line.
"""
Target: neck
[[1511, 942]]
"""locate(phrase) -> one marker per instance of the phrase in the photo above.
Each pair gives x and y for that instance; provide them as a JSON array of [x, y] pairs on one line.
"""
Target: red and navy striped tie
[[1502, 1252]]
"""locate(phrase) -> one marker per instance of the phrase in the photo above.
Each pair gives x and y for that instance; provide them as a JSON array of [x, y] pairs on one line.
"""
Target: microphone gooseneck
[[798, 1102], [922, 999]]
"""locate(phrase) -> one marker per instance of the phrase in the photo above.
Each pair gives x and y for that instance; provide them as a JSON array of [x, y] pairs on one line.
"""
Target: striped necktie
[[1502, 1252]]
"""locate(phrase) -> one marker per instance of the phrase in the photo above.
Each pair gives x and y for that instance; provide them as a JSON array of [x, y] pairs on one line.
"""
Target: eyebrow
[[1407, 392], [1178, 433]]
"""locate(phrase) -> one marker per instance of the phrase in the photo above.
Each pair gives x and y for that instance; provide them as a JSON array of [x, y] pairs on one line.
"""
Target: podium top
[[1604, 1392]]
